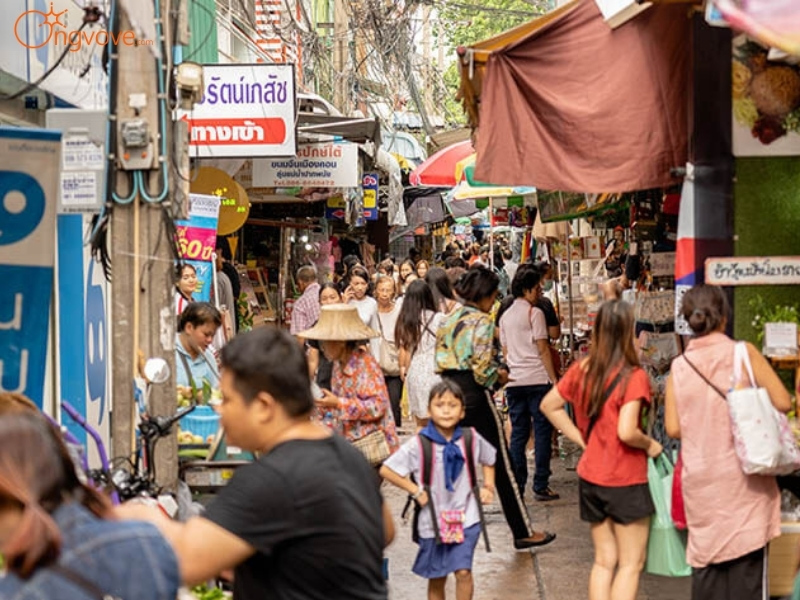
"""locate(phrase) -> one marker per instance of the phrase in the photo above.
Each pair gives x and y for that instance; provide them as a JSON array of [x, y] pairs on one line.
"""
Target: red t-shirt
[[607, 460]]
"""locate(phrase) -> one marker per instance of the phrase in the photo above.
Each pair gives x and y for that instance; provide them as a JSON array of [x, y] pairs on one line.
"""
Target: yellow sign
[[234, 203]]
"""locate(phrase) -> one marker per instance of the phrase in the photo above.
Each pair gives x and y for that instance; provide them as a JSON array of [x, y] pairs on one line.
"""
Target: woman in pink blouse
[[731, 516], [358, 396]]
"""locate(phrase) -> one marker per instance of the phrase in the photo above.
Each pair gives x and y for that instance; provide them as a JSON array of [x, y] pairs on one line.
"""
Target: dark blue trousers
[[524, 410]]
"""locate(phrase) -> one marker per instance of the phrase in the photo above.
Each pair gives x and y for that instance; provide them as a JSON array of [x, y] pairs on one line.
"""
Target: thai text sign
[[753, 270], [316, 165], [369, 183], [197, 238], [29, 189], [246, 111]]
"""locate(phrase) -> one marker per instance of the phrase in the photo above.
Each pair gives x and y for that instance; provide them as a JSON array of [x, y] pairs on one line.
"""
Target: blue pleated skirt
[[439, 560]]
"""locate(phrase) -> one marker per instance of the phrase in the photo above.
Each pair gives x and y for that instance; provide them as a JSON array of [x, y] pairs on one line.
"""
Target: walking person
[[319, 367], [306, 309], [442, 290], [388, 313], [608, 391], [406, 270], [56, 533], [309, 501], [451, 491], [465, 354], [730, 516], [357, 294], [358, 399], [526, 348], [416, 340]]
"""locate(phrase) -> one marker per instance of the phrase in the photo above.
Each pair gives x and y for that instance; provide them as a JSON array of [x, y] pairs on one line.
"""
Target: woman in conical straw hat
[[358, 392]]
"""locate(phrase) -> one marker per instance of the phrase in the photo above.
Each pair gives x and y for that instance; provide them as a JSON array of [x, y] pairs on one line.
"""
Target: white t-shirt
[[367, 309], [408, 459], [520, 326]]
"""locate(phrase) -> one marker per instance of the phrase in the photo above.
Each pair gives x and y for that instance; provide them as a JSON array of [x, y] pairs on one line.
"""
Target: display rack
[[257, 292]]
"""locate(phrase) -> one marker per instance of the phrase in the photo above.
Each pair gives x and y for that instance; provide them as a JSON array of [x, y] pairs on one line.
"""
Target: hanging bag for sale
[[666, 546]]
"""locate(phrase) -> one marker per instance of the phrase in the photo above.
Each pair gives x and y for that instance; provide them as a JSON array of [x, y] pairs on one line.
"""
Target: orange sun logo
[[45, 22]]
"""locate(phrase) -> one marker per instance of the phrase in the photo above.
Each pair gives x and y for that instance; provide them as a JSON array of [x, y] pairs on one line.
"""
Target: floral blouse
[[465, 342], [364, 399]]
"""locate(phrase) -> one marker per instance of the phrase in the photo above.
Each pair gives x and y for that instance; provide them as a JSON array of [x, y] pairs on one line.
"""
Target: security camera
[[189, 84]]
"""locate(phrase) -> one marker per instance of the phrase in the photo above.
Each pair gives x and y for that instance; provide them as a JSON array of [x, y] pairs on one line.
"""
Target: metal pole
[[569, 299], [491, 233]]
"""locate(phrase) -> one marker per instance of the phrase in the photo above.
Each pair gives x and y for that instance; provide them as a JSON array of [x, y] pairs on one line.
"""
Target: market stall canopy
[[465, 200], [356, 130], [439, 169], [567, 103]]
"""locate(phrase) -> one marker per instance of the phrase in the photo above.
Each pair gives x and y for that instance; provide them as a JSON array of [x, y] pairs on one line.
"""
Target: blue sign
[[29, 194], [82, 324]]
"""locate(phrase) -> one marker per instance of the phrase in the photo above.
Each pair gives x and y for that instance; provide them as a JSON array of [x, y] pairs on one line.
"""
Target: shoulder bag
[[374, 447], [388, 359], [762, 437]]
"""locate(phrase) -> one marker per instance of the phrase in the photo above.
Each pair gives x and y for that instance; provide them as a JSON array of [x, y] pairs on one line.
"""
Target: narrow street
[[559, 571]]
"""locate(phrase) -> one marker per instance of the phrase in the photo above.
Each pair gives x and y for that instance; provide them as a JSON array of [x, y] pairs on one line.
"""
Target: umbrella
[[465, 200], [439, 170]]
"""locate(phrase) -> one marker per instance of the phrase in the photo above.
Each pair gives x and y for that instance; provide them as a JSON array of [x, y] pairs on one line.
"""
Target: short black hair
[[476, 284], [270, 360], [199, 313], [444, 386], [527, 277]]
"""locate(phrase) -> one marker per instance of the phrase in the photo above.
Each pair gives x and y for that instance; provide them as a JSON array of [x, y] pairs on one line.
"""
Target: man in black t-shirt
[[305, 521]]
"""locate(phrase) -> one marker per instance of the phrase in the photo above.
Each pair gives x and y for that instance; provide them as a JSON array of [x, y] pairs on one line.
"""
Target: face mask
[[548, 285]]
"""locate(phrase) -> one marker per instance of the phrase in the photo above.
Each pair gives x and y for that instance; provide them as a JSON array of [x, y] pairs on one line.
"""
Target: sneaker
[[531, 542], [545, 495]]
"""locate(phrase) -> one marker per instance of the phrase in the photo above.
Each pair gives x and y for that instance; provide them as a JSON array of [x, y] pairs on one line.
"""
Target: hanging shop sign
[[336, 208], [753, 270], [29, 181], [197, 238], [246, 111], [369, 183], [330, 164]]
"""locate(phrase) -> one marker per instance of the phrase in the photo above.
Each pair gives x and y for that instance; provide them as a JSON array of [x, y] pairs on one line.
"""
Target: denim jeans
[[524, 409]]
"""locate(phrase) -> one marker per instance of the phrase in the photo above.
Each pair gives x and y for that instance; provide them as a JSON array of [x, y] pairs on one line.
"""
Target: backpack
[[426, 471]]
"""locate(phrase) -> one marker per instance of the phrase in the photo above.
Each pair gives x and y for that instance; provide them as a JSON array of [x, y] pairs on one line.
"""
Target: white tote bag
[[762, 436]]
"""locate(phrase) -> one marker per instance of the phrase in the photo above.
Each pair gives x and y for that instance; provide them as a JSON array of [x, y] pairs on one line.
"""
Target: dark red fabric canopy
[[576, 106]]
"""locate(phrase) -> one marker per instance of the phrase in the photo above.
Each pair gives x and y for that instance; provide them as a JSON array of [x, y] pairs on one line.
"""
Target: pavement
[[558, 571]]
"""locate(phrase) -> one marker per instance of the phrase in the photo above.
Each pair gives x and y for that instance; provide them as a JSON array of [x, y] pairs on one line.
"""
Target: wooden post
[[142, 262]]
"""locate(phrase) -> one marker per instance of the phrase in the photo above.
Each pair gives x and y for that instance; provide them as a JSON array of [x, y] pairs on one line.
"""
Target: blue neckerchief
[[453, 459]]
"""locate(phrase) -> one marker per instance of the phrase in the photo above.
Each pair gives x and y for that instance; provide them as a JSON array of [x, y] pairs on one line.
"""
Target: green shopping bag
[[666, 546]]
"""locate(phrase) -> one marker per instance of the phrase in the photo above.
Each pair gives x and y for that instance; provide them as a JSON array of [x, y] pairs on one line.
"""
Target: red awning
[[573, 105]]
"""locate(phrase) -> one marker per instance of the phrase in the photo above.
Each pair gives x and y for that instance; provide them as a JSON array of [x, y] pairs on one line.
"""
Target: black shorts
[[620, 504]]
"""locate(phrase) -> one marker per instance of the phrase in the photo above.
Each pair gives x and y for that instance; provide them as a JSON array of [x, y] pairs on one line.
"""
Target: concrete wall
[[766, 223]]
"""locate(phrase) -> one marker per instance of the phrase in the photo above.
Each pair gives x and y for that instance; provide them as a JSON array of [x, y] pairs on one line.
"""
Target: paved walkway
[[559, 571]]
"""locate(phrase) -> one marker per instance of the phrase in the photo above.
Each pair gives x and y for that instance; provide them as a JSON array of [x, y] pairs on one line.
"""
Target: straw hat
[[339, 323]]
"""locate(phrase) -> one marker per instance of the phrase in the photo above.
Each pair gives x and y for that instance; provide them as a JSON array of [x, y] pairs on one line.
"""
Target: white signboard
[[247, 111], [316, 165], [753, 270]]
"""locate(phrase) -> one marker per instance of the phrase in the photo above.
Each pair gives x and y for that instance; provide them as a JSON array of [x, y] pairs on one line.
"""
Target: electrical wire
[[35, 84]]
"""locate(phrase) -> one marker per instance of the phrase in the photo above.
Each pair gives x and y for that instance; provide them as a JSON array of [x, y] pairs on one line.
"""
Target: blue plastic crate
[[202, 421]]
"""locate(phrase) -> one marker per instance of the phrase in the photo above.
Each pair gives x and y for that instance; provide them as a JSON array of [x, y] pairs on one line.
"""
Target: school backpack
[[426, 471]]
